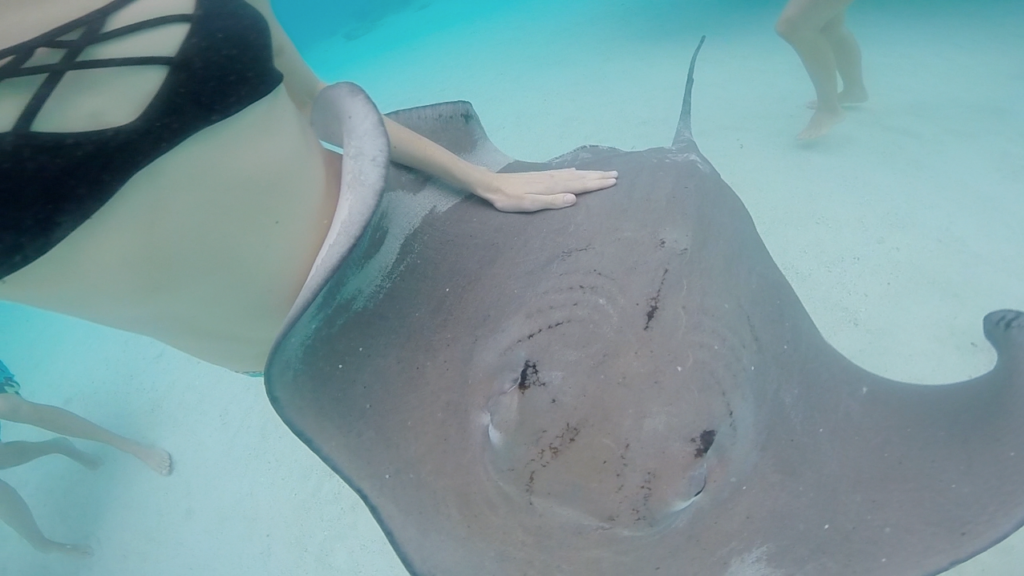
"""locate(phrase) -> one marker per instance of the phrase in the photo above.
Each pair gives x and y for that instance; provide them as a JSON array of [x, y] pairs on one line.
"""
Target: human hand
[[533, 191]]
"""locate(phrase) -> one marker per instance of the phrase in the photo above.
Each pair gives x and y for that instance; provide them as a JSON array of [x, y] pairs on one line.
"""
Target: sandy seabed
[[899, 231]]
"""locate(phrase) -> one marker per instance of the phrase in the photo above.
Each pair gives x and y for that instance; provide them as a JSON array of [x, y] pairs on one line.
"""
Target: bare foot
[[64, 447], [157, 459], [848, 97], [75, 550], [821, 122]]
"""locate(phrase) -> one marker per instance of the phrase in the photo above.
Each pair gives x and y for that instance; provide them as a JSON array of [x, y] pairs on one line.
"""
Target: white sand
[[899, 231]]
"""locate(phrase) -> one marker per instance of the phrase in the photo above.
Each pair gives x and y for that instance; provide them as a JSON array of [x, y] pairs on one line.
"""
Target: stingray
[[627, 387]]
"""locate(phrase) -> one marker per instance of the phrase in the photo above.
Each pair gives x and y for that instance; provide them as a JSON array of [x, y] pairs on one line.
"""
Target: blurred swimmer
[[13, 510], [816, 29]]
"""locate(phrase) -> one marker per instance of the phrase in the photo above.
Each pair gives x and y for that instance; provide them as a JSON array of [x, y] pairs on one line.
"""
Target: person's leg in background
[[816, 30], [14, 512], [14, 408]]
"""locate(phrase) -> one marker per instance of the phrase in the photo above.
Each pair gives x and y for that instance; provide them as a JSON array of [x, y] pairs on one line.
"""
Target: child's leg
[[17, 453], [60, 421], [14, 512]]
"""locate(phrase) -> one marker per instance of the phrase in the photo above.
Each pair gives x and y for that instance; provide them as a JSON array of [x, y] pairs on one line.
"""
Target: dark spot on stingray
[[704, 442], [753, 333], [529, 377], [652, 309], [647, 490], [654, 302], [701, 490], [567, 253], [563, 439], [467, 117], [549, 327], [661, 243]]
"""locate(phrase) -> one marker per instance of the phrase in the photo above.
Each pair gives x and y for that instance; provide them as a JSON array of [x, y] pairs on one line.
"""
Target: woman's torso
[[204, 248]]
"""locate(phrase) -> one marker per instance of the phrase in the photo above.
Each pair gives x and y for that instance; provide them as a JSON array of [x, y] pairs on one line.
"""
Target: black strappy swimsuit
[[51, 183]]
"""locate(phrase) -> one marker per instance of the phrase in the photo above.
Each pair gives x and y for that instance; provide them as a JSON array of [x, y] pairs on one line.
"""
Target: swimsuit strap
[[91, 25]]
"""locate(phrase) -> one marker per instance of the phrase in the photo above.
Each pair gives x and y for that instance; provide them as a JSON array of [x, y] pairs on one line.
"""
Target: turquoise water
[[899, 231]]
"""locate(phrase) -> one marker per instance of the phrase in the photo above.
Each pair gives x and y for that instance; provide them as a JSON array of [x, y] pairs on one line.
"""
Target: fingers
[[552, 202], [537, 202], [588, 185], [547, 190], [574, 181]]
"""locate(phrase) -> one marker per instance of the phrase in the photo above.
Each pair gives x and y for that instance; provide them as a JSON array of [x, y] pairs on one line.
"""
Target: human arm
[[520, 192]]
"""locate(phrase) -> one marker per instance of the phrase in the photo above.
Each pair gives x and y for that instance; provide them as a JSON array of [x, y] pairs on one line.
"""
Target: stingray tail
[[684, 133]]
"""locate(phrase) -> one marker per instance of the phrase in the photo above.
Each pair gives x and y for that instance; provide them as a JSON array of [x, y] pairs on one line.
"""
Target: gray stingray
[[627, 387]]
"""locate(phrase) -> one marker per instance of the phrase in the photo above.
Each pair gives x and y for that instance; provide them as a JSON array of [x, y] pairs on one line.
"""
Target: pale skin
[[14, 511], [817, 30], [207, 247]]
